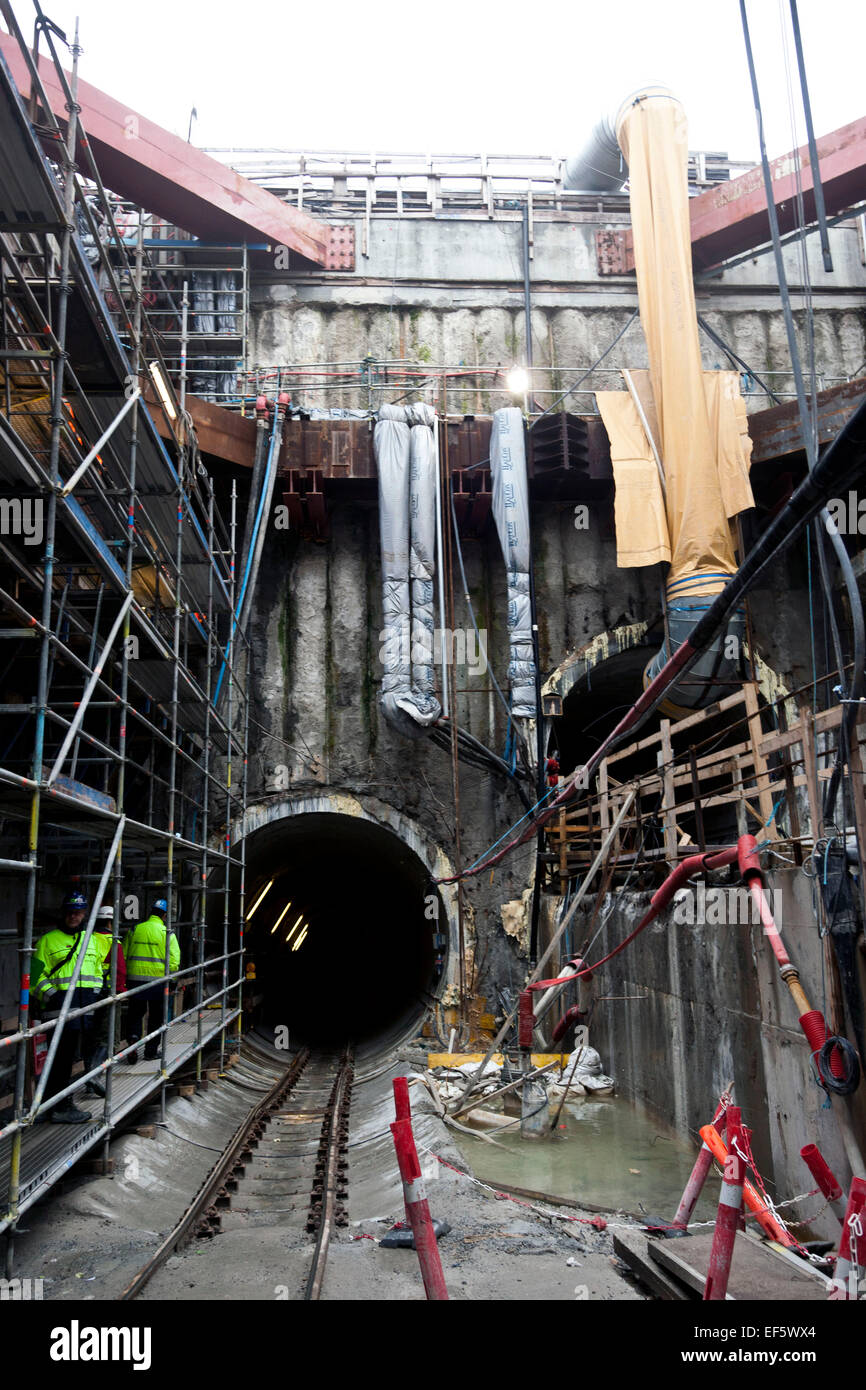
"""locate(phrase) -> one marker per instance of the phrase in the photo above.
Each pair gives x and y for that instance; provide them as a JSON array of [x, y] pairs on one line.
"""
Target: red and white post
[[826, 1179], [417, 1206], [703, 1164], [729, 1213], [851, 1260]]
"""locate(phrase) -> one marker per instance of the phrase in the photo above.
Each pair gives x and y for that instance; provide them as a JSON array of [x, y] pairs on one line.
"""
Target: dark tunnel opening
[[345, 939]]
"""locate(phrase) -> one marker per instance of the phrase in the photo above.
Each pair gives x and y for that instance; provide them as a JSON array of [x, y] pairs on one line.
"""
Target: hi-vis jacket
[[51, 972], [144, 951]]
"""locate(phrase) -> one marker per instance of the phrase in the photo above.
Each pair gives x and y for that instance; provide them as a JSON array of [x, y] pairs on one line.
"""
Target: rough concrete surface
[[87, 1241]]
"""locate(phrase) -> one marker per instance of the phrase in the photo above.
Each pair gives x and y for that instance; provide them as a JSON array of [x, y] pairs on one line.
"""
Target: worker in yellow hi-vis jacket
[[144, 952]]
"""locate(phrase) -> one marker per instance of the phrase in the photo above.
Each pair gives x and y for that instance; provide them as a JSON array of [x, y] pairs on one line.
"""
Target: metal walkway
[[49, 1150]]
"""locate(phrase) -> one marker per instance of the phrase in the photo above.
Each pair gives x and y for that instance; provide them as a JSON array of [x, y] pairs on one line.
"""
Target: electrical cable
[[496, 687], [729, 351], [621, 334], [808, 425], [846, 1056]]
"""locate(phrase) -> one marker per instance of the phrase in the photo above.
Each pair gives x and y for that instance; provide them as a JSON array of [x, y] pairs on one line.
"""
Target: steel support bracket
[[614, 254], [340, 249]]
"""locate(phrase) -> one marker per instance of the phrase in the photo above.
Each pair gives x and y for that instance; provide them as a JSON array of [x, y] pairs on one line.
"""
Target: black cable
[[810, 440], [838, 1085], [720, 342]]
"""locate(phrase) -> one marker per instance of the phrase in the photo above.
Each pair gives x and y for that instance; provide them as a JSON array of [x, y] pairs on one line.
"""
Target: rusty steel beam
[[169, 176], [776, 432], [222, 433], [732, 217]]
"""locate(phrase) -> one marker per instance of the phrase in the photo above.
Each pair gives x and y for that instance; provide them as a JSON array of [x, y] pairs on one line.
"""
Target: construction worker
[[144, 951], [103, 934], [52, 967]]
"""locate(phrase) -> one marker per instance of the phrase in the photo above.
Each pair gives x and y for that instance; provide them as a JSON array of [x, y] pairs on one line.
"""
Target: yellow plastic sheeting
[[639, 508], [653, 136], [726, 410], [459, 1059]]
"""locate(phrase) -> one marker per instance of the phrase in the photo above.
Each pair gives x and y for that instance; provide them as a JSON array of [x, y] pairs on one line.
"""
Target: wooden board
[[632, 1247], [757, 1272]]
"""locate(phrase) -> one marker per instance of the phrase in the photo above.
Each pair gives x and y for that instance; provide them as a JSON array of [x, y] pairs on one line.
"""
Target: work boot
[[96, 1087], [131, 1057], [69, 1114], [151, 1053]]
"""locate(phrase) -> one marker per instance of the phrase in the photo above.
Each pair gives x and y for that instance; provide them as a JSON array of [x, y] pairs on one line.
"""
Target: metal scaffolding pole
[[45, 648]]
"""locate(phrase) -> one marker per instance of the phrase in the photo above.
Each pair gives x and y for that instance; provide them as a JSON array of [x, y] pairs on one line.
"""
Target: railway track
[[286, 1165]]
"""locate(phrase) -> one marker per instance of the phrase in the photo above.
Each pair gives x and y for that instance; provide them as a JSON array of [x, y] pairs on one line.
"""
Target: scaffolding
[[123, 697]]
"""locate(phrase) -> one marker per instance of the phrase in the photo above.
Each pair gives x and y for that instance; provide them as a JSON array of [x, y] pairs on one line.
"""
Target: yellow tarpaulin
[[653, 136], [639, 508]]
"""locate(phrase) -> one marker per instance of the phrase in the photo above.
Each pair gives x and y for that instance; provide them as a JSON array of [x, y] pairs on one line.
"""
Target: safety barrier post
[[728, 1218], [826, 1179], [851, 1259], [417, 1206], [759, 1209], [698, 1176]]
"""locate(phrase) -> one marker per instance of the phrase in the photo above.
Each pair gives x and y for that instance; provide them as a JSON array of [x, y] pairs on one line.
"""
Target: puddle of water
[[592, 1158]]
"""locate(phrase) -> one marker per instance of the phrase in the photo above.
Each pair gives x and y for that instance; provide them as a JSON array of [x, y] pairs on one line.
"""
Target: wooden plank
[[765, 800], [858, 793], [603, 801], [823, 721], [632, 1247], [563, 854], [669, 807], [790, 787], [729, 702], [757, 1271], [807, 739], [696, 793]]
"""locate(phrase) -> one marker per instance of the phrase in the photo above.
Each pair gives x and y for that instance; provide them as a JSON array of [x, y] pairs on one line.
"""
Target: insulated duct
[[511, 514], [406, 463], [600, 165]]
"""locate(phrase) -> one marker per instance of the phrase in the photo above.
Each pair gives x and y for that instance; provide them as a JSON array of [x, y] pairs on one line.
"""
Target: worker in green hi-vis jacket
[[51, 970], [144, 952]]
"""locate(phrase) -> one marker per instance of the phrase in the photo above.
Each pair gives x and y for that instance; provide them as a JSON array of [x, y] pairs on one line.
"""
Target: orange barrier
[[766, 1220]]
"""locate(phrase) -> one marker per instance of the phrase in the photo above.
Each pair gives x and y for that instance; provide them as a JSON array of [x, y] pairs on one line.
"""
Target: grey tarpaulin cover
[[511, 514], [406, 462]]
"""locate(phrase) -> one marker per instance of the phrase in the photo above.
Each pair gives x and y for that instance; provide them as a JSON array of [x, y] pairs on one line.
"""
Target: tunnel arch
[[360, 872]]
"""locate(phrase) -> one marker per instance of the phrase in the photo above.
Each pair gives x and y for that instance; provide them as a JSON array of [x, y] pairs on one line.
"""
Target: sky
[[463, 76]]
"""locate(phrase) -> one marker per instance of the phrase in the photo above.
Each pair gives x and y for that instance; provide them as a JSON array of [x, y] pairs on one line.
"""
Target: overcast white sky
[[461, 76]]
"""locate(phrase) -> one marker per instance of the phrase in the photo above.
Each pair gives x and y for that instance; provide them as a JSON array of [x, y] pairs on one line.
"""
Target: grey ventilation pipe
[[600, 167], [715, 672]]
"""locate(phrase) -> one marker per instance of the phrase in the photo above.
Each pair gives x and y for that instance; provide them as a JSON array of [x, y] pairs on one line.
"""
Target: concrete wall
[[316, 630], [713, 1008], [449, 291]]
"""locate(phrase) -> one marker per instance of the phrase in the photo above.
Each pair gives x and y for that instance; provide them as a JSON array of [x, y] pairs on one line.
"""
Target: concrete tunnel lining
[[360, 874]]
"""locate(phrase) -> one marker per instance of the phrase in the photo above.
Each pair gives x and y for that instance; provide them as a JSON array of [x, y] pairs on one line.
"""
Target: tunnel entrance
[[342, 926]]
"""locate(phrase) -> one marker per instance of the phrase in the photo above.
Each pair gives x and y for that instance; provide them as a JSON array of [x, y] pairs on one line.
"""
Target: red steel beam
[[732, 217], [776, 431], [170, 177], [223, 433]]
